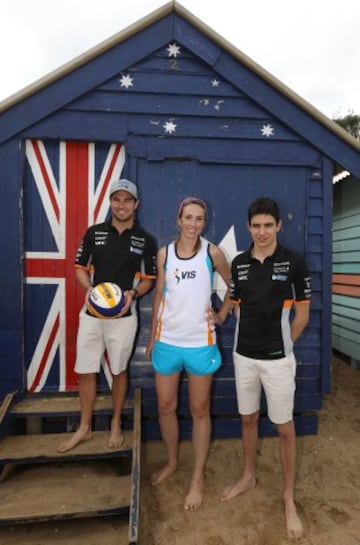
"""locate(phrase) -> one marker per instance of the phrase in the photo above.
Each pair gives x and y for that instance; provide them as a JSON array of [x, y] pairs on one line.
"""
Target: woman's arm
[[159, 288], [222, 267]]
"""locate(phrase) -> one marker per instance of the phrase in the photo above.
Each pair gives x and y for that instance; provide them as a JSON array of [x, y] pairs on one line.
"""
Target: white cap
[[124, 185]]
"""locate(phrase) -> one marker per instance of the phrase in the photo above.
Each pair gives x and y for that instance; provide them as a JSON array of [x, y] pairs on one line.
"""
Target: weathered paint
[[205, 122]]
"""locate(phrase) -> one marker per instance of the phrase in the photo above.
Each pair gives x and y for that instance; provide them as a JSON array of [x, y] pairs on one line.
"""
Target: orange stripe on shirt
[[288, 303]]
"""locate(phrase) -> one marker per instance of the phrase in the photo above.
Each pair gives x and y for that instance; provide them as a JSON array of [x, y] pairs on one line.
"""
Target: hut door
[[228, 191], [65, 190]]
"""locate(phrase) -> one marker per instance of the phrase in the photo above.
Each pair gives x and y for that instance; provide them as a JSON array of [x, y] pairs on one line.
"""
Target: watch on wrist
[[136, 294]]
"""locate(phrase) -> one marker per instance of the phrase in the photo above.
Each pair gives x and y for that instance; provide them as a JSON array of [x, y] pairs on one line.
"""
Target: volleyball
[[106, 300]]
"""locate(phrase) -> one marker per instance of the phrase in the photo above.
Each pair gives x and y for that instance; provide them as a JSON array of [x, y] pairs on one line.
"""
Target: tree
[[351, 123]]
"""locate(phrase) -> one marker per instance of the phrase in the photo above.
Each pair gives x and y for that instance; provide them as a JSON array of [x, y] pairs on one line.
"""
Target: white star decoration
[[126, 81], [267, 130], [169, 127], [174, 50], [215, 83]]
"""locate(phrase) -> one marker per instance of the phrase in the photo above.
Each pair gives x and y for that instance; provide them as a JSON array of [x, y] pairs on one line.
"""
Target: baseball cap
[[124, 185]]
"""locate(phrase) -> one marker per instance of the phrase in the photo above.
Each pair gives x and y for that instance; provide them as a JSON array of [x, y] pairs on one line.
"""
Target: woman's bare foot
[[240, 487], [195, 495], [78, 437], [161, 474], [294, 527]]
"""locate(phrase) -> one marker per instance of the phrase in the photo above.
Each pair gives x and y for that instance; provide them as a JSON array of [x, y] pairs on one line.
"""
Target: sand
[[327, 490]]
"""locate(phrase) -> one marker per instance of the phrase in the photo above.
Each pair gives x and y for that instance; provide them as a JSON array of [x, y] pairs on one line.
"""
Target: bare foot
[[294, 528], [161, 474], [78, 437], [116, 438], [240, 487], [195, 496]]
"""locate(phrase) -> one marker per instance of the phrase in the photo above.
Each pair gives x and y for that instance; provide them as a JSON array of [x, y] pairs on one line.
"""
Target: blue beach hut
[[173, 105]]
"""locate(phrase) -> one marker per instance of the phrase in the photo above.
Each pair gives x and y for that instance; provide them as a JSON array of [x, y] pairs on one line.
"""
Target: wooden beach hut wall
[[175, 107], [346, 267]]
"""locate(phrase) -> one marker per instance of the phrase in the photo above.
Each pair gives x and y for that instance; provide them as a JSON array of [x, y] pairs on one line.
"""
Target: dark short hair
[[264, 205]]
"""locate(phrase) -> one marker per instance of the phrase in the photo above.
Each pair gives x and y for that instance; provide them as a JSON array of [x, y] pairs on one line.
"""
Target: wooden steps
[[64, 405], [38, 483], [38, 448], [68, 490]]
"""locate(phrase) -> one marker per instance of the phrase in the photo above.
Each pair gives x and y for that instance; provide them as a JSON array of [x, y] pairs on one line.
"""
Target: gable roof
[[174, 22]]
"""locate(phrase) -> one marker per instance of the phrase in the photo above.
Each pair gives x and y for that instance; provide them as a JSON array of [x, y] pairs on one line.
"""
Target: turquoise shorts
[[168, 359]]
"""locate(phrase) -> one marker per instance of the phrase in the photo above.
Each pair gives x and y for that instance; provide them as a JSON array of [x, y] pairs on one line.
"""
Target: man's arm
[[83, 277], [300, 320]]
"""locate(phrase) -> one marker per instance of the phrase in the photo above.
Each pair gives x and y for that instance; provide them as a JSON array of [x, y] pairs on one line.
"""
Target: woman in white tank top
[[182, 338]]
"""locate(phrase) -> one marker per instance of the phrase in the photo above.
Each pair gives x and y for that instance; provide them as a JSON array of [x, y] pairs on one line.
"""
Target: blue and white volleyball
[[106, 300]]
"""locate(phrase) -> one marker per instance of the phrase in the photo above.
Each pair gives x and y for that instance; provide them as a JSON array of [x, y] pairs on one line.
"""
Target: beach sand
[[327, 490]]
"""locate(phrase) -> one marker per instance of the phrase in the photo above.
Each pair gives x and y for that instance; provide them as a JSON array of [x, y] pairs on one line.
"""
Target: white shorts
[[95, 335], [277, 377]]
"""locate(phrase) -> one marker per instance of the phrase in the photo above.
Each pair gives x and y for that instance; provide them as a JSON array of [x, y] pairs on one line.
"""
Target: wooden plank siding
[[237, 134], [346, 268]]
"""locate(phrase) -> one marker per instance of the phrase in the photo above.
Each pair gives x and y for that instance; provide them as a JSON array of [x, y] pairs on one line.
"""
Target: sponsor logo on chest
[[281, 271], [137, 245], [101, 238], [183, 275]]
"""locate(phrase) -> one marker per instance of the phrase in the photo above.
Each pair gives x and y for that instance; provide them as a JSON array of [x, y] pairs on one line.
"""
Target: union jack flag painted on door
[[66, 190]]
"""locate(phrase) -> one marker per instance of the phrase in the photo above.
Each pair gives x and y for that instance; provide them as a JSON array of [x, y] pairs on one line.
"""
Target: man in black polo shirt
[[267, 282], [118, 251]]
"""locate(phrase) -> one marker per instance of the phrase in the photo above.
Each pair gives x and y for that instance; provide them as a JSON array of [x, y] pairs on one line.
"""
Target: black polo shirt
[[266, 292], [114, 257]]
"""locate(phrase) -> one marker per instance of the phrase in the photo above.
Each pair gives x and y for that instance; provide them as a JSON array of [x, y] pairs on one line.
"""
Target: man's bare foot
[[195, 496], [294, 527], [240, 487], [116, 438], [78, 437], [161, 474]]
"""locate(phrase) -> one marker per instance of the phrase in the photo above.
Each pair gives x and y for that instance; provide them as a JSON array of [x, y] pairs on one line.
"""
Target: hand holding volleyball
[[106, 300]]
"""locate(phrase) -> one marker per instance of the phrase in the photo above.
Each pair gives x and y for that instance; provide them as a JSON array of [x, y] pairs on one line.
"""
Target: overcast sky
[[312, 46]]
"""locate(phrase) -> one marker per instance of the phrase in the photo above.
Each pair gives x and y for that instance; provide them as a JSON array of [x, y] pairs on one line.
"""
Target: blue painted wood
[[224, 152], [95, 125], [229, 428], [326, 281], [222, 406], [11, 320], [158, 35], [159, 62], [179, 82], [218, 151], [87, 76], [285, 110], [201, 45], [83, 126], [169, 104]]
